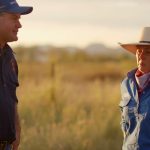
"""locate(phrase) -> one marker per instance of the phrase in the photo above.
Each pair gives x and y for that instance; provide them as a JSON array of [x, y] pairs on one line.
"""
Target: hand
[[15, 145]]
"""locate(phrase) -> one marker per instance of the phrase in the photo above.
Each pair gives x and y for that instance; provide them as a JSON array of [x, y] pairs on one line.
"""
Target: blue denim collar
[[131, 74]]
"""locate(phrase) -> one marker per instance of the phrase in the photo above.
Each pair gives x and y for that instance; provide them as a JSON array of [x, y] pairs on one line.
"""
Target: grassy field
[[71, 106]]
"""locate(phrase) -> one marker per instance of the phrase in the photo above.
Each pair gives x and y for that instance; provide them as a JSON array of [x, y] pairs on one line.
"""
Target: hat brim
[[132, 47], [21, 10]]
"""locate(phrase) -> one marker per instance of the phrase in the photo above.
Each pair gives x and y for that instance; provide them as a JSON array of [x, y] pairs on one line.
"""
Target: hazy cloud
[[119, 14], [92, 19]]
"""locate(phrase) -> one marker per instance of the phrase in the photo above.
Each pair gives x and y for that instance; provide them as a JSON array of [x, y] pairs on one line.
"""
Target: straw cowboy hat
[[144, 40]]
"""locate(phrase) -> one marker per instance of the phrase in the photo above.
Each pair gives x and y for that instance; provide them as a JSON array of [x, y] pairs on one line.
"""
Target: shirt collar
[[142, 79], [131, 74]]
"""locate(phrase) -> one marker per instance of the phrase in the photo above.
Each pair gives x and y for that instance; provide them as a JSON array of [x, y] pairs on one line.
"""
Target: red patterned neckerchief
[[142, 80]]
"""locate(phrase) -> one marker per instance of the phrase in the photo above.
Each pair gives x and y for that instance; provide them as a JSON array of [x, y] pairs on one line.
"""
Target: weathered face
[[9, 25], [143, 58]]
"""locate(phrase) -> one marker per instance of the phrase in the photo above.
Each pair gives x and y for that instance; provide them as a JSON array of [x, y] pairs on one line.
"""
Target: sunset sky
[[82, 22]]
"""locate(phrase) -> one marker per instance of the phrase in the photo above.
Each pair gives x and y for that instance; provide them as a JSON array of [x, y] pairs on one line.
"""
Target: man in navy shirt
[[135, 103], [10, 13]]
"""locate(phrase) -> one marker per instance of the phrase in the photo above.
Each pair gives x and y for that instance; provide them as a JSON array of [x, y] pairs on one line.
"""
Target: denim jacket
[[135, 114]]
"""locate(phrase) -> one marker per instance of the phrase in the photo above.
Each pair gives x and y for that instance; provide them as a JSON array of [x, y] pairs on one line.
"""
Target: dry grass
[[75, 109]]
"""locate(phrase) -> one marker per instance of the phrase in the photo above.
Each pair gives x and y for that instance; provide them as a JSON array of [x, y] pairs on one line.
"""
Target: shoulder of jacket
[[9, 53]]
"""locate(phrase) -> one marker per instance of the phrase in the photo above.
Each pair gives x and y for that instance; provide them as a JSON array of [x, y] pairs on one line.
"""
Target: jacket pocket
[[11, 73], [10, 79], [129, 120], [125, 120]]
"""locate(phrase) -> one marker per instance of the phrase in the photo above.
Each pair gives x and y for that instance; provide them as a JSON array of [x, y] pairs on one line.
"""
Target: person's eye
[[14, 18]]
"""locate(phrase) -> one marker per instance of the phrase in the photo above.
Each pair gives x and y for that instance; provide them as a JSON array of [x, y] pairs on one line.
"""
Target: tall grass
[[73, 110]]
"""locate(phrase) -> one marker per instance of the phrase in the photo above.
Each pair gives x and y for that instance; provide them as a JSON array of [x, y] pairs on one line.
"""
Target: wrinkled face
[[143, 58], [9, 25]]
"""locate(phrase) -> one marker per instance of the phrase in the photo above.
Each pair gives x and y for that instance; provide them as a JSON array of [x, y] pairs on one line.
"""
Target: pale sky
[[83, 22]]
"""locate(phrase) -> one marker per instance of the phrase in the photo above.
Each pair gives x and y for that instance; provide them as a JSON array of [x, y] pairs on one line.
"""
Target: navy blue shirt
[[8, 98]]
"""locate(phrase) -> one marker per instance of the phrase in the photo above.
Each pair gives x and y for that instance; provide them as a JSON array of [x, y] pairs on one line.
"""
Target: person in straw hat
[[10, 13], [135, 91]]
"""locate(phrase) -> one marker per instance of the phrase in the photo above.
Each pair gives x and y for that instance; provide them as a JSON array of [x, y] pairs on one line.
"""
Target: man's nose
[[142, 54], [19, 24]]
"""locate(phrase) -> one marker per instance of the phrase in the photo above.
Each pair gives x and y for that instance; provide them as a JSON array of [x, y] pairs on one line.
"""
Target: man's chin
[[13, 39]]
